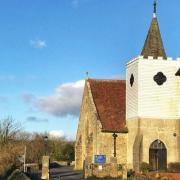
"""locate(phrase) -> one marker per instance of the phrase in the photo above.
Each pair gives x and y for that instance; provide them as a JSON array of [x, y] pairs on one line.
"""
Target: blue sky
[[46, 46]]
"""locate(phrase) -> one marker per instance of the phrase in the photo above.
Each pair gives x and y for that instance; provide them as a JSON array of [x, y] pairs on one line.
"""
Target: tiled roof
[[110, 100], [153, 45]]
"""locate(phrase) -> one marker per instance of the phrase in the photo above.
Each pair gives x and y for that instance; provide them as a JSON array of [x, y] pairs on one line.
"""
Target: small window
[[178, 72]]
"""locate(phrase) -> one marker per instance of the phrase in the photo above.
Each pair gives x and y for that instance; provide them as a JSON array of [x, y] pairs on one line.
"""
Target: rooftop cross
[[155, 9], [87, 75]]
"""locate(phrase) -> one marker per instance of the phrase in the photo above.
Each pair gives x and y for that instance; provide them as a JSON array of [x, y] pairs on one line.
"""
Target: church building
[[134, 120]]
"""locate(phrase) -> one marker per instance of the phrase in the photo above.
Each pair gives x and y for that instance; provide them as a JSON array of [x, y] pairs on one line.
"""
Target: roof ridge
[[107, 80]]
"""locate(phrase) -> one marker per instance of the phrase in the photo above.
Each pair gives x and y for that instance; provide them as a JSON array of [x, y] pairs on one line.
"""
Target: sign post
[[24, 159]]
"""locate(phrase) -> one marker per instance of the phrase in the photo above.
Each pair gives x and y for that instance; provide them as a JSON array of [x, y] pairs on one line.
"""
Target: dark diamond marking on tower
[[160, 78], [178, 72], [132, 80]]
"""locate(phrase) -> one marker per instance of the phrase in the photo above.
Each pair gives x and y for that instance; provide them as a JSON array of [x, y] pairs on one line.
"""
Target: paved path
[[58, 172], [65, 173]]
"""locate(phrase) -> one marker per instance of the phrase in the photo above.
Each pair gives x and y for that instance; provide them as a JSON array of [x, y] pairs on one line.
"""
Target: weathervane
[[87, 75], [155, 5]]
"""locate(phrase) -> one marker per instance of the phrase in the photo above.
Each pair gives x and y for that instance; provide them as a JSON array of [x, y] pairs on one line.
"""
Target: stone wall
[[105, 145], [105, 170], [87, 130], [143, 132]]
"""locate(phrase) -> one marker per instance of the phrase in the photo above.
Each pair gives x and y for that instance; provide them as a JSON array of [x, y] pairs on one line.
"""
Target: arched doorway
[[158, 156]]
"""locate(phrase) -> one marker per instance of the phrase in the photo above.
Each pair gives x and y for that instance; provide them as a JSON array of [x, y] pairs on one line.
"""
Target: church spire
[[153, 45]]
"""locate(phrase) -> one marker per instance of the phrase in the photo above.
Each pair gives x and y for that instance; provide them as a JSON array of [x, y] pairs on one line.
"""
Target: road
[[58, 172], [65, 173]]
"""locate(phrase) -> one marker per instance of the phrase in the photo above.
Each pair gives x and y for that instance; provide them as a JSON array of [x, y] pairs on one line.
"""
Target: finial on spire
[[155, 5], [87, 75]]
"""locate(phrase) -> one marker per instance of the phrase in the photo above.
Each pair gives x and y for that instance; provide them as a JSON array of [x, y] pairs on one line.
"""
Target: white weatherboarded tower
[[153, 104]]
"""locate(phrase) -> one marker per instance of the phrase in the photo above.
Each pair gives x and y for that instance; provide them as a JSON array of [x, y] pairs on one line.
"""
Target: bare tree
[[10, 148], [8, 130]]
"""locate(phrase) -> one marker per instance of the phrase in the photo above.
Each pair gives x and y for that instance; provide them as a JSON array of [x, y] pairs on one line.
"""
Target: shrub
[[7, 172], [157, 176], [9, 155], [174, 167], [129, 178], [145, 167], [18, 175], [165, 178], [130, 173], [104, 178]]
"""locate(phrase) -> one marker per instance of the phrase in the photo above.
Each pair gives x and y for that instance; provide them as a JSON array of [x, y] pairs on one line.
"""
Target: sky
[[47, 46]]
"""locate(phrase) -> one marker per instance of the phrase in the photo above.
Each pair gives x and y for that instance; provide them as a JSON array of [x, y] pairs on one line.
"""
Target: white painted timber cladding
[[152, 100], [132, 92]]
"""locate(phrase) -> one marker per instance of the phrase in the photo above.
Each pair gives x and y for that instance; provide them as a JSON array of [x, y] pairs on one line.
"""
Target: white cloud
[[38, 44], [56, 134], [66, 100]]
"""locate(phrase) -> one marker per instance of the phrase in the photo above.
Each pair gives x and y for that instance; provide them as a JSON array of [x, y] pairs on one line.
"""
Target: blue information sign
[[100, 159]]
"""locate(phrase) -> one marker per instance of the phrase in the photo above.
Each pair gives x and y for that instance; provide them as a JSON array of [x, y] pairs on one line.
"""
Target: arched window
[[157, 145]]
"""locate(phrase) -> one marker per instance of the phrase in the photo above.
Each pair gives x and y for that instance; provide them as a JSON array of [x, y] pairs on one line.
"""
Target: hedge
[[18, 175], [174, 167]]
